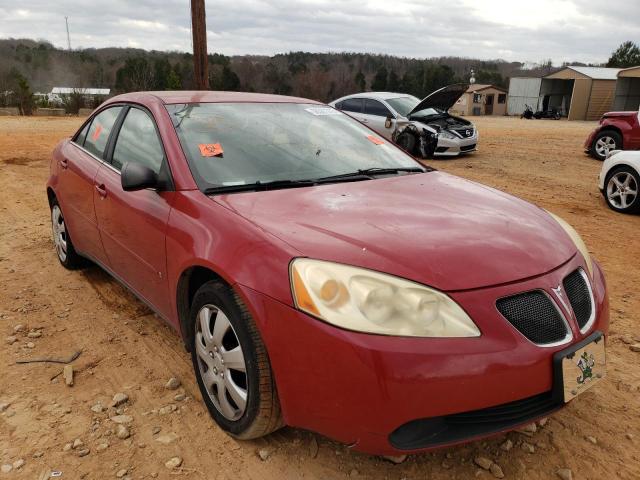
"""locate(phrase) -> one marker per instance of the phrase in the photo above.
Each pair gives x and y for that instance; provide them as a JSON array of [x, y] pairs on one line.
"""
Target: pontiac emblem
[[558, 291]]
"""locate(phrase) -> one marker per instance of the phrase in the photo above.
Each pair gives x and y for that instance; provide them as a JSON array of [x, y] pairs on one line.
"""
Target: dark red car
[[322, 278], [616, 131]]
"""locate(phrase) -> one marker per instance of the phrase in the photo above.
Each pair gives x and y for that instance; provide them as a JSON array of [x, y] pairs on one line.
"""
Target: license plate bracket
[[578, 367]]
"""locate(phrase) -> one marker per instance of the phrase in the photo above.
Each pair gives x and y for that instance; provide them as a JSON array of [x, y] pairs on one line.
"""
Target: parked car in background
[[619, 181], [616, 131], [412, 123], [324, 279]]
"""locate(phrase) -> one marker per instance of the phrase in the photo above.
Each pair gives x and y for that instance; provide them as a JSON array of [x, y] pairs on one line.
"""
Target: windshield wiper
[[366, 173], [258, 186]]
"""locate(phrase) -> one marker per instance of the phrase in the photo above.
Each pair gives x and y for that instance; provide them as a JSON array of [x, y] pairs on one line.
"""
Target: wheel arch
[[189, 281], [51, 196], [609, 128]]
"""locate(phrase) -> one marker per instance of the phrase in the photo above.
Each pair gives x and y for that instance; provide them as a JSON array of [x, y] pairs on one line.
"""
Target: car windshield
[[229, 144], [404, 105]]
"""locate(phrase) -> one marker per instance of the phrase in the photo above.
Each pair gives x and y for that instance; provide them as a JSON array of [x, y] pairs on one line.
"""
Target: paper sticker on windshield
[[210, 149], [376, 140], [322, 111]]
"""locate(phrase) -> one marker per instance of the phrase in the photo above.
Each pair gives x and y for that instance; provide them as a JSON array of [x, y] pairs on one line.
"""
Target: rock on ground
[[173, 462], [172, 384], [119, 399], [565, 474], [483, 462]]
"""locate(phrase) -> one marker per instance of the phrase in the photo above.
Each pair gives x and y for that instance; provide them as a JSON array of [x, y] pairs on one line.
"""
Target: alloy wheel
[[221, 362], [604, 145], [622, 190], [59, 232]]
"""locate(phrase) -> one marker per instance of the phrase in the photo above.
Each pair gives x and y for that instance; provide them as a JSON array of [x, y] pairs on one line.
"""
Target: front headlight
[[367, 301], [577, 240], [449, 135]]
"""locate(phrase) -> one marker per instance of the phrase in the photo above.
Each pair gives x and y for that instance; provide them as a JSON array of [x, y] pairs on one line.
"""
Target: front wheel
[[622, 190], [231, 364], [407, 142], [604, 142]]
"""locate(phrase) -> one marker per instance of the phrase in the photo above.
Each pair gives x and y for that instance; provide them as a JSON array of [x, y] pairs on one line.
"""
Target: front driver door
[[375, 116], [132, 225]]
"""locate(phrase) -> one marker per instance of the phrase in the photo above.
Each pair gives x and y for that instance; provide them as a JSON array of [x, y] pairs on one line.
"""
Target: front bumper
[[589, 140], [359, 389], [449, 147]]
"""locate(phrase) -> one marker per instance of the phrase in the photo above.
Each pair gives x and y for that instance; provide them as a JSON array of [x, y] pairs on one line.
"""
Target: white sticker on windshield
[[322, 111]]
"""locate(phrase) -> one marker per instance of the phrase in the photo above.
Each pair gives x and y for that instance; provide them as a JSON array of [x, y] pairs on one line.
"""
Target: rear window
[[98, 134], [352, 105]]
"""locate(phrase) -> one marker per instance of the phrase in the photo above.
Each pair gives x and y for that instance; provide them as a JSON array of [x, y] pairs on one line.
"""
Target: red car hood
[[433, 228]]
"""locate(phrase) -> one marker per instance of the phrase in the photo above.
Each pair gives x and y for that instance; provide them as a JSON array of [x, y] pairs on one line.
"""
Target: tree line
[[29, 66]]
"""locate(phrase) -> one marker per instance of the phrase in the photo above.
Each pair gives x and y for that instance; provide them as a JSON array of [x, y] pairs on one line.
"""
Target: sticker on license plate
[[583, 368]]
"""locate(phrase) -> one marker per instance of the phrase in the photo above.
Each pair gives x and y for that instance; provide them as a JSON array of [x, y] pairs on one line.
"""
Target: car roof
[[376, 95], [206, 96]]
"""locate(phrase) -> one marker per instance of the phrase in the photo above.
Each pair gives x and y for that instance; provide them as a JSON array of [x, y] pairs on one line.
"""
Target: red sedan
[[616, 131], [322, 278]]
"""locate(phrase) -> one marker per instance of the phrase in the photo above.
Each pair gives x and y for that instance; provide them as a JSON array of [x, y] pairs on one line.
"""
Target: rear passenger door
[[375, 116], [80, 161], [133, 225]]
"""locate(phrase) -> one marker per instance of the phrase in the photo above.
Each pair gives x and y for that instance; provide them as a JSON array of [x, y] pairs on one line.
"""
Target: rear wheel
[[622, 190], [67, 254], [604, 142], [231, 364]]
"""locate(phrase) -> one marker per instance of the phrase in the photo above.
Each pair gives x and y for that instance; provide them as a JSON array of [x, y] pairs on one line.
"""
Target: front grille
[[465, 132], [431, 432], [534, 315], [579, 296]]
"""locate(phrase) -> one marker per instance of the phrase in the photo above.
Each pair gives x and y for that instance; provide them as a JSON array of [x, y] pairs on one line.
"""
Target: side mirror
[[388, 122], [135, 176]]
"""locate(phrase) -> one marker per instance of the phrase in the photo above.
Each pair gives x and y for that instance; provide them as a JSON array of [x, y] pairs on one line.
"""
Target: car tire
[[65, 250], [622, 190], [604, 141], [407, 142], [221, 325]]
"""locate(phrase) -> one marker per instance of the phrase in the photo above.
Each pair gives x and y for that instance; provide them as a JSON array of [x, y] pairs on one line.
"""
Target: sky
[[530, 31]]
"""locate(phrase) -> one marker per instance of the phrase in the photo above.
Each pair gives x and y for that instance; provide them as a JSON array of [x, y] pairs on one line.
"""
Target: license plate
[[583, 366]]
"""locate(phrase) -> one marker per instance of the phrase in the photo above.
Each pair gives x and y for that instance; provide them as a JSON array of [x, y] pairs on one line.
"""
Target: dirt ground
[[125, 348]]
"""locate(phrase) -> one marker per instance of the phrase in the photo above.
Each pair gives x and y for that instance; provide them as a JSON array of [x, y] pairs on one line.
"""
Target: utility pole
[[200, 59], [66, 20]]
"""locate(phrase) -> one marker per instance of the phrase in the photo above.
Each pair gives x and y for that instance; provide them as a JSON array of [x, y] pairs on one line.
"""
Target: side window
[[352, 105], [82, 135], [374, 107], [98, 134], [138, 142], [502, 98]]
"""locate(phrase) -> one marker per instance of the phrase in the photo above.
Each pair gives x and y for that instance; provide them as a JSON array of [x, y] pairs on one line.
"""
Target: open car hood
[[442, 99]]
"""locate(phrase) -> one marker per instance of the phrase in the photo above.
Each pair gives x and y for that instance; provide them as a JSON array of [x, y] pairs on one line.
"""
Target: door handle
[[102, 191], [64, 163], [364, 120]]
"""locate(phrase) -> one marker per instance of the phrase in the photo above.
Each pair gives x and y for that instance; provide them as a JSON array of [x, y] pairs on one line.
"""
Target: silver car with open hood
[[413, 123]]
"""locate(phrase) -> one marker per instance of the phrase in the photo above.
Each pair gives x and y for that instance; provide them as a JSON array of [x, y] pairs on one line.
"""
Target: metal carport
[[627, 96]]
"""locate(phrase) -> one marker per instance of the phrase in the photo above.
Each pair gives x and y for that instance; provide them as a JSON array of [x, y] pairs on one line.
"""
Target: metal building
[[579, 93], [523, 91], [627, 95]]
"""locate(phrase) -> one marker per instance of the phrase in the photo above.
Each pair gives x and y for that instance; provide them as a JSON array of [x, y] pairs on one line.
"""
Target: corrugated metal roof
[[597, 73], [84, 91]]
